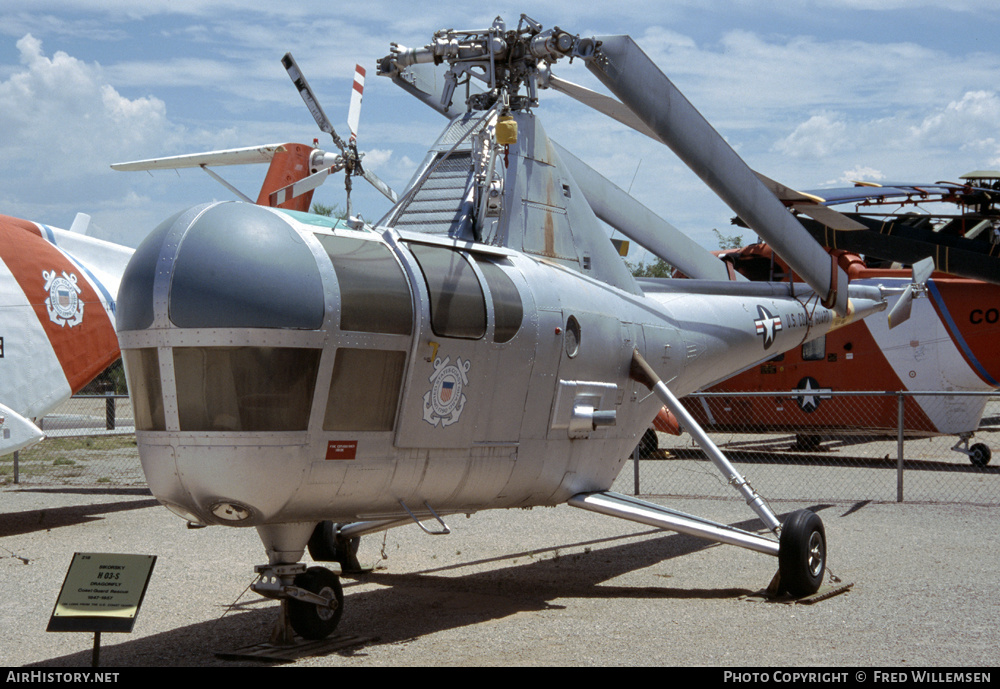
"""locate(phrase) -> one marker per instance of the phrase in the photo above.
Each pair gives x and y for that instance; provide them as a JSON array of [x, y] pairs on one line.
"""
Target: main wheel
[[980, 454], [327, 545], [309, 620], [802, 553], [649, 445]]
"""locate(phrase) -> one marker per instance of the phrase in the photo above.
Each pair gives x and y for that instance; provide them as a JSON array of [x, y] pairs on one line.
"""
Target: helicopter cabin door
[[467, 384]]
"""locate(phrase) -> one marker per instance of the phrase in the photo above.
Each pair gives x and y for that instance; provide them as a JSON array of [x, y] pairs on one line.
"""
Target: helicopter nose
[[220, 321], [226, 265]]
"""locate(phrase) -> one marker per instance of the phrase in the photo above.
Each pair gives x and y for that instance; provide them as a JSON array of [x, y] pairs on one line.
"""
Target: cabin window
[[142, 367], [458, 306], [364, 391], [815, 350], [374, 293], [507, 309], [245, 388]]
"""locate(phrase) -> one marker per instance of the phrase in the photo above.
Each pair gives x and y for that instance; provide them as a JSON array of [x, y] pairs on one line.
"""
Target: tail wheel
[[309, 620], [980, 455], [802, 553]]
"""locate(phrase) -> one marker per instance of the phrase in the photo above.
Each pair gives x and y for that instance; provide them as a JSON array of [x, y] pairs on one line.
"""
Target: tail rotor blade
[[354, 113], [922, 270], [900, 313], [309, 98], [379, 184], [296, 189]]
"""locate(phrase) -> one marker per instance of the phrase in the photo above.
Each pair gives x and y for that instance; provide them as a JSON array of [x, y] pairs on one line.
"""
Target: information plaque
[[102, 592]]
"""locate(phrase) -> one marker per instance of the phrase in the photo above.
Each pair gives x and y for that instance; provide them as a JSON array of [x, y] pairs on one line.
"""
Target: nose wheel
[[312, 600], [309, 619], [802, 554]]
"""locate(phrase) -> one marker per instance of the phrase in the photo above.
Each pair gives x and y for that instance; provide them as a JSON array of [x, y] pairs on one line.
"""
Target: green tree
[[731, 242], [334, 211], [657, 269]]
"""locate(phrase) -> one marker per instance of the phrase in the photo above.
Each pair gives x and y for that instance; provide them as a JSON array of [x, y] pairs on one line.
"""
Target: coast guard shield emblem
[[63, 304], [444, 402]]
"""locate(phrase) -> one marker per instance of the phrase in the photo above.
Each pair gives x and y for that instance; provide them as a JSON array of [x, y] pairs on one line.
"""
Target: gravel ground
[[549, 586]]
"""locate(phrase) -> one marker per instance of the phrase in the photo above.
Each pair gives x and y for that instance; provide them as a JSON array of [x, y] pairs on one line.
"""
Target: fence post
[[17, 456], [109, 413], [899, 446], [635, 468]]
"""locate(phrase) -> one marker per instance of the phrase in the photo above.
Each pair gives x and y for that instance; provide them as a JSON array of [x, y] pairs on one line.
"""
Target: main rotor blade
[[601, 103], [629, 73], [811, 205], [309, 98], [614, 206]]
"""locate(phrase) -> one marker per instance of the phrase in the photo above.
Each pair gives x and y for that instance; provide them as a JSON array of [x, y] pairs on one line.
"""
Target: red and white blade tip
[[354, 113]]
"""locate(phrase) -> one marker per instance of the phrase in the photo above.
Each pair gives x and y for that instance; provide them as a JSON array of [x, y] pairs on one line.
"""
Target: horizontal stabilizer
[[16, 432], [231, 156]]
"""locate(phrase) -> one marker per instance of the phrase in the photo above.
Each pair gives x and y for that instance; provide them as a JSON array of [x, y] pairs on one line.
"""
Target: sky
[[814, 94]]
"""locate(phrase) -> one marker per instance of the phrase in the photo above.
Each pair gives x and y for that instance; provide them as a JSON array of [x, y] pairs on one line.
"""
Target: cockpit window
[[814, 350], [245, 388], [374, 294], [458, 307], [143, 369]]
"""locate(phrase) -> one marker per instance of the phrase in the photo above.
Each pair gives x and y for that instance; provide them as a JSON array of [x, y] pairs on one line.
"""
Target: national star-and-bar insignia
[[812, 393], [767, 325]]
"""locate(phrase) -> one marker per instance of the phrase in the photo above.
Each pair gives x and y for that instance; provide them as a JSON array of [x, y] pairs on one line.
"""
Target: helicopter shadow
[[391, 608], [43, 519]]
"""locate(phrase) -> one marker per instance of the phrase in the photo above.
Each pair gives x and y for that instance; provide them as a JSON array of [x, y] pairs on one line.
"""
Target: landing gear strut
[[801, 548]]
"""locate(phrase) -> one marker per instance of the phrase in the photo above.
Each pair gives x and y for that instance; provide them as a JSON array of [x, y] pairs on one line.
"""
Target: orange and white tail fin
[[57, 314]]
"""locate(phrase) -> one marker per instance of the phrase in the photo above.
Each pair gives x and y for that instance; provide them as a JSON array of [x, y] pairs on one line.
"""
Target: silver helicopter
[[482, 346]]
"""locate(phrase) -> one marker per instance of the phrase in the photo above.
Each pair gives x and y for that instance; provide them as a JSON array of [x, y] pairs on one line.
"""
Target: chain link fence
[[89, 440], [852, 451], [816, 446]]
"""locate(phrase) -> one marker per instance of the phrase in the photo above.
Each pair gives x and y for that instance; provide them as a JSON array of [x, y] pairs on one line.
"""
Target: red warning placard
[[341, 449]]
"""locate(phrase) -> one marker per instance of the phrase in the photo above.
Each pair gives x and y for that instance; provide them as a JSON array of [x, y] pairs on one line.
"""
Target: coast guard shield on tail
[[56, 322]]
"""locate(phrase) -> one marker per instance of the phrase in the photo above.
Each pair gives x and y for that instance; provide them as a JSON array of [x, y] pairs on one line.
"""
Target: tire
[[309, 620], [980, 454], [326, 545], [649, 445], [802, 554]]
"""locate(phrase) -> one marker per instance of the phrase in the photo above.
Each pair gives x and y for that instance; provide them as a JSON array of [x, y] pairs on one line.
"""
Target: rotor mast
[[504, 61]]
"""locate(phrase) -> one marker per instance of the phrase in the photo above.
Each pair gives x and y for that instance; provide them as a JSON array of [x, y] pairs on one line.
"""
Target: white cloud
[[970, 122], [818, 137], [61, 104]]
